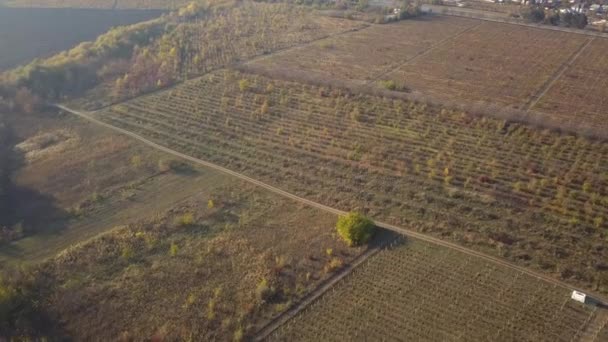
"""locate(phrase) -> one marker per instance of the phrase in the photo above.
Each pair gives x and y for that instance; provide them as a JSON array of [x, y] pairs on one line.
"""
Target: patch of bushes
[[355, 228], [186, 219]]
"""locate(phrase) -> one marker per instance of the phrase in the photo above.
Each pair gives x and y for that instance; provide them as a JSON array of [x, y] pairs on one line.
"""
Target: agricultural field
[[421, 292], [494, 63], [215, 267], [579, 96], [537, 198], [462, 62], [26, 34], [362, 56]]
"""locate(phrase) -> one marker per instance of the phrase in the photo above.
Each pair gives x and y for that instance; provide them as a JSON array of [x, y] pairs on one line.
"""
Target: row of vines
[[535, 197], [420, 292]]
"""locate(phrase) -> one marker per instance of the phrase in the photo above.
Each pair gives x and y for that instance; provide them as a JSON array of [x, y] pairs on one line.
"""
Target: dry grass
[[159, 279]]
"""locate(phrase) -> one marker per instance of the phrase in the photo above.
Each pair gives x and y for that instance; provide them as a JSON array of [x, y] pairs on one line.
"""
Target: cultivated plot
[[535, 197], [579, 96], [494, 63], [362, 56], [422, 292]]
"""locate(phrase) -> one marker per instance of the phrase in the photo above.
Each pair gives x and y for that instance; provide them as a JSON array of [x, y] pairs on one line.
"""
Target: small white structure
[[579, 296]]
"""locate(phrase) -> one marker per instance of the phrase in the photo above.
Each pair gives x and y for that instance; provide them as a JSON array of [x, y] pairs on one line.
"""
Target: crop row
[[580, 93], [417, 291], [536, 197], [362, 55], [495, 63]]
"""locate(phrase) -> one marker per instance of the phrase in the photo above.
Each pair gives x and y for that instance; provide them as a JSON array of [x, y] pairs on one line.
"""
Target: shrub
[[165, 165], [355, 228], [390, 84], [127, 253], [186, 219], [264, 291], [136, 161], [173, 249], [333, 264], [243, 84], [238, 334]]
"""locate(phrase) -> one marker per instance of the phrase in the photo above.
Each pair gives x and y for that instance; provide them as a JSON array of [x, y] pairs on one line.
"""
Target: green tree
[[355, 228]]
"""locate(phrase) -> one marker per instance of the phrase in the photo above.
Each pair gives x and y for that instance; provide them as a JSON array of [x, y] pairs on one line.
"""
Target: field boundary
[[236, 64], [482, 15], [557, 75], [423, 53], [404, 231]]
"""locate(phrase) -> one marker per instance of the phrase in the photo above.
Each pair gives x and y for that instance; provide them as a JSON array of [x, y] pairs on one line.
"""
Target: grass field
[[81, 181], [421, 292], [214, 267], [579, 95], [535, 197]]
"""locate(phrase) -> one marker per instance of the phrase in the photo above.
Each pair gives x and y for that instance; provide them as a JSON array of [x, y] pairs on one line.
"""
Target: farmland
[[169, 213], [26, 34], [227, 257], [579, 95], [216, 266], [361, 56], [448, 58], [468, 62], [416, 291], [498, 63], [534, 197]]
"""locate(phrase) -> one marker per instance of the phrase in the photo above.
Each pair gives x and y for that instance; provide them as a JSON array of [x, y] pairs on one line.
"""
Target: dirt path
[[278, 321], [499, 17], [422, 53], [400, 230], [592, 328], [557, 75]]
